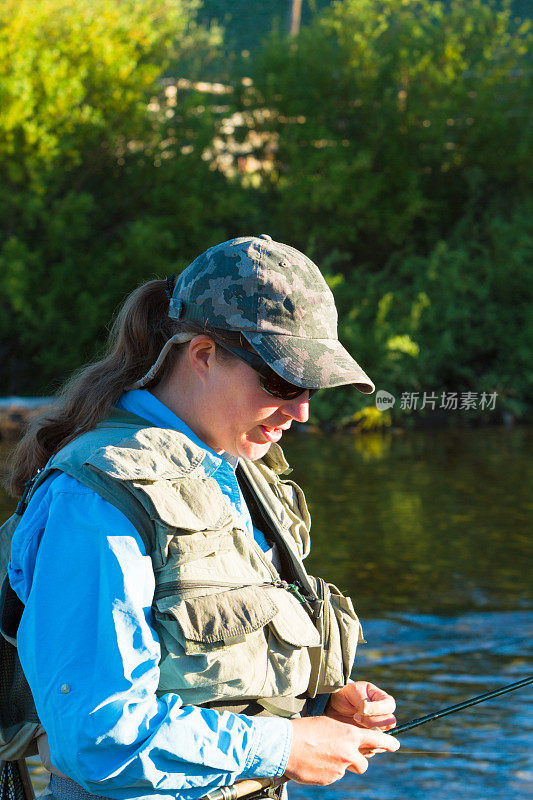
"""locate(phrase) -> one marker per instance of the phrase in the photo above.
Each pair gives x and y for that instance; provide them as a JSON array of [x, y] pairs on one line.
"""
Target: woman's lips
[[271, 434]]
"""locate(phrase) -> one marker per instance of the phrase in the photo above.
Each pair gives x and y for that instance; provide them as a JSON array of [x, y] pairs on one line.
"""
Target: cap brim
[[310, 363]]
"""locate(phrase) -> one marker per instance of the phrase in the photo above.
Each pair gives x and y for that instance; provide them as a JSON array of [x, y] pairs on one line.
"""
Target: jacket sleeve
[[91, 656]]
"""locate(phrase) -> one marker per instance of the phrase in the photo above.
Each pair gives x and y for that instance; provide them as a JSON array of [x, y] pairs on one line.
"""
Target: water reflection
[[430, 533], [429, 662], [433, 521]]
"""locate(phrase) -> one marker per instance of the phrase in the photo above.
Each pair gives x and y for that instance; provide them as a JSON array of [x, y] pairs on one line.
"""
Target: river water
[[430, 533]]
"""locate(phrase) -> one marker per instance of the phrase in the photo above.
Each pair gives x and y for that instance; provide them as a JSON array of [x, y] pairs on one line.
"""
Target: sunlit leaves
[[383, 109]]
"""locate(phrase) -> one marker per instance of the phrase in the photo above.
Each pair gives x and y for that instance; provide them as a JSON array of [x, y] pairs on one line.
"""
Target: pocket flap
[[190, 547], [292, 623], [225, 616], [149, 454], [193, 505]]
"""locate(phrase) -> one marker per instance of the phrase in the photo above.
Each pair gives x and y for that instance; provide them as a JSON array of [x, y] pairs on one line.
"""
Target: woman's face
[[221, 400], [240, 417]]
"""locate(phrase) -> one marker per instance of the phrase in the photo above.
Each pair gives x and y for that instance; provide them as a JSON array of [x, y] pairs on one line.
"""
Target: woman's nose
[[298, 409]]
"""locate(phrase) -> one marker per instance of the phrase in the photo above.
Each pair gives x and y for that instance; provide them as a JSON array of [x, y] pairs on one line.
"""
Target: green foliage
[[247, 22], [371, 419], [459, 319], [393, 146], [75, 78], [403, 165], [477, 327], [393, 118], [102, 184]]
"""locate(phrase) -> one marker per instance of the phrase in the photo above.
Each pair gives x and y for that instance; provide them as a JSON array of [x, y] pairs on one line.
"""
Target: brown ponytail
[[139, 332]]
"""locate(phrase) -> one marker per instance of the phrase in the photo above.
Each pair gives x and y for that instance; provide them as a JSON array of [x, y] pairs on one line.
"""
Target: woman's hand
[[362, 704], [323, 749]]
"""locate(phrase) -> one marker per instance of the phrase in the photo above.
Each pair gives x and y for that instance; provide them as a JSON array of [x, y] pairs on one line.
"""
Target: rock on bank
[[15, 413]]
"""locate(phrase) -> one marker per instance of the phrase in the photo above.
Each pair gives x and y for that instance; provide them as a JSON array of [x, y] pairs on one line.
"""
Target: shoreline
[[17, 411]]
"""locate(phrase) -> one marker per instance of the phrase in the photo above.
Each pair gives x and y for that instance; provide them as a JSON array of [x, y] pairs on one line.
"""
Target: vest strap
[[288, 707]]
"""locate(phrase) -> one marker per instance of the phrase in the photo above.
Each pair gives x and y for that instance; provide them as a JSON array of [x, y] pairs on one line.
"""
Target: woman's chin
[[253, 450]]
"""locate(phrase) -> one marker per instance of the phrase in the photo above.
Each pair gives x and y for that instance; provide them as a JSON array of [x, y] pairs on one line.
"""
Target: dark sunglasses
[[272, 383]]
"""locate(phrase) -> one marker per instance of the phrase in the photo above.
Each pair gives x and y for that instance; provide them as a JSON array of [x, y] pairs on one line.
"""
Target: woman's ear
[[201, 354]]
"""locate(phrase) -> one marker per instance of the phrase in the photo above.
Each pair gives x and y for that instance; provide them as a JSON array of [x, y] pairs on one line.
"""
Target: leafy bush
[[459, 319], [392, 144], [103, 184], [402, 164], [392, 120]]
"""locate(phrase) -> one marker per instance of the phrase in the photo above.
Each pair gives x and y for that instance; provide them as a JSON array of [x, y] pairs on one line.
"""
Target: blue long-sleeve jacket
[[91, 655]]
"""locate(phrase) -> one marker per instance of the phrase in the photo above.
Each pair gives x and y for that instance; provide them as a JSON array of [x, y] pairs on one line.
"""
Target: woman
[[171, 636]]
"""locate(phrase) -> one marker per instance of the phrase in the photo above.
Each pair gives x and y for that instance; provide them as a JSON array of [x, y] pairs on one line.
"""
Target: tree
[[102, 181], [391, 118]]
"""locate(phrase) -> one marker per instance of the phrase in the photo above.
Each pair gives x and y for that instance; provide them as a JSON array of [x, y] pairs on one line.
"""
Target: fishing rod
[[253, 786], [414, 723]]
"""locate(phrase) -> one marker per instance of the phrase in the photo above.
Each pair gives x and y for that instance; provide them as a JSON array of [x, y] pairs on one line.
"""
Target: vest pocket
[[245, 642], [213, 645], [294, 497], [292, 637], [222, 618], [291, 509], [341, 633]]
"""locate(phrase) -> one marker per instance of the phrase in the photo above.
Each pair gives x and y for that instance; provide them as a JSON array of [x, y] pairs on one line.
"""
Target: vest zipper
[[169, 588], [175, 587], [294, 588]]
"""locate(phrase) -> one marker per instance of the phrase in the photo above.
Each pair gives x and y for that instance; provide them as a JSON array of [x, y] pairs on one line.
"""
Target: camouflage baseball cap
[[277, 298]]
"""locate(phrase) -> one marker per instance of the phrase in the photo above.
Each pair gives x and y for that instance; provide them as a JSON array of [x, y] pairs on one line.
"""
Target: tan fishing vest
[[231, 628]]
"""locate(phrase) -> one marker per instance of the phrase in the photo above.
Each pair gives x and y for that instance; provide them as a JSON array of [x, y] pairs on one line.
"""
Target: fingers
[[364, 703], [369, 700], [359, 766], [377, 709], [385, 704], [392, 745], [387, 725], [384, 722], [377, 740], [323, 749], [372, 743], [375, 693], [371, 753]]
